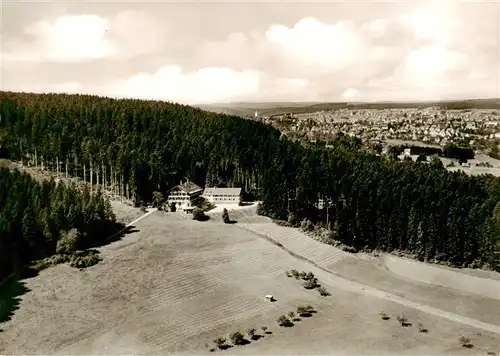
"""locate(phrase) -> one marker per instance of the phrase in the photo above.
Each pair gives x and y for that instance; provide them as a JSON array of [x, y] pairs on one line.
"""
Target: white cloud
[[311, 43], [71, 38], [420, 52], [432, 60], [350, 94], [211, 84]]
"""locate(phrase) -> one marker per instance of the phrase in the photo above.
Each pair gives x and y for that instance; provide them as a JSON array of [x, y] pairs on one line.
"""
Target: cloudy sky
[[206, 52]]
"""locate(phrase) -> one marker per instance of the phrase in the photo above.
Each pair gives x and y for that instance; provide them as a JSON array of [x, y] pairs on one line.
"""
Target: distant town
[[478, 129]]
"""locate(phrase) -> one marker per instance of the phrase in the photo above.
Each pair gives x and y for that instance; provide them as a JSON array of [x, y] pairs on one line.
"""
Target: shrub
[[310, 308], [142, 209], [84, 259], [260, 209], [198, 214], [302, 310], [310, 276], [251, 333], [225, 216], [403, 320], [384, 316], [310, 284], [220, 342], [323, 292], [173, 207], [306, 225], [294, 273], [292, 219], [263, 328], [284, 321], [291, 315], [465, 341], [237, 338], [68, 241], [421, 328], [303, 275]]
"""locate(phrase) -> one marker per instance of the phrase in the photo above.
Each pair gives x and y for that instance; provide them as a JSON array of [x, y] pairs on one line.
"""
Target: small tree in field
[[403, 320], [221, 343], [225, 216], [465, 341], [323, 292], [251, 333], [158, 199], [237, 338], [264, 329], [284, 321], [198, 214], [291, 315]]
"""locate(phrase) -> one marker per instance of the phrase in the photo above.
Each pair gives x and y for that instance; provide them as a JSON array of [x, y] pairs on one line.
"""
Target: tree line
[[34, 216], [138, 147], [449, 151]]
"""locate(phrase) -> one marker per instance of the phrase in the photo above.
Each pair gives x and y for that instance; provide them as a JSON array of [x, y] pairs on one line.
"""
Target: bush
[[225, 216], [306, 225], [294, 273], [251, 332], [260, 209], [68, 242], [291, 315], [303, 275], [173, 207], [421, 328], [465, 341], [310, 284], [403, 320], [237, 338], [292, 219], [263, 328], [301, 310], [310, 276], [142, 209], [323, 292], [384, 316], [221, 343], [284, 321], [198, 214], [84, 259]]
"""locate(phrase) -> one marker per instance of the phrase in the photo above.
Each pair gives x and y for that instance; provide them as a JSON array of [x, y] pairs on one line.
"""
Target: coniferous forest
[[137, 147], [35, 216]]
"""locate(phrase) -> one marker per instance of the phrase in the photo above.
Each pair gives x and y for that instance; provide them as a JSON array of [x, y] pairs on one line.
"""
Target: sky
[[216, 52]]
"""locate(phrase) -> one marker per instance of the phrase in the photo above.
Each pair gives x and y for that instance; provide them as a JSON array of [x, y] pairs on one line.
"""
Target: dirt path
[[356, 287]]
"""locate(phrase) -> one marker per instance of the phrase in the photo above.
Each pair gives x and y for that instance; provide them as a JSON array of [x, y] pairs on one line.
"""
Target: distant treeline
[[34, 216], [449, 151], [246, 109]]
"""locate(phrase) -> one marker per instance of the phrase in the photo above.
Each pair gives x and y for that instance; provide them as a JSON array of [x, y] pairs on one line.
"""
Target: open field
[[423, 272], [175, 284]]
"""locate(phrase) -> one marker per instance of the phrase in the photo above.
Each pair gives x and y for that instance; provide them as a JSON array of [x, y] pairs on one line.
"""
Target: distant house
[[223, 195], [182, 195]]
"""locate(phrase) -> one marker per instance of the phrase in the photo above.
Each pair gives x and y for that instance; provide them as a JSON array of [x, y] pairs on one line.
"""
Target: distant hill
[[277, 108]]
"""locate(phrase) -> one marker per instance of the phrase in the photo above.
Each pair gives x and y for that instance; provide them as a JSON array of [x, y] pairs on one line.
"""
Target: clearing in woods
[[176, 284]]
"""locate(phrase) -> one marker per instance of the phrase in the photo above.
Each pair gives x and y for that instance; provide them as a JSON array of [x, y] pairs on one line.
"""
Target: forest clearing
[[174, 285]]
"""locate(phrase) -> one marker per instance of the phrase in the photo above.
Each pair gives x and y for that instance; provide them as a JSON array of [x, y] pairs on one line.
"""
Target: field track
[[300, 250]]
